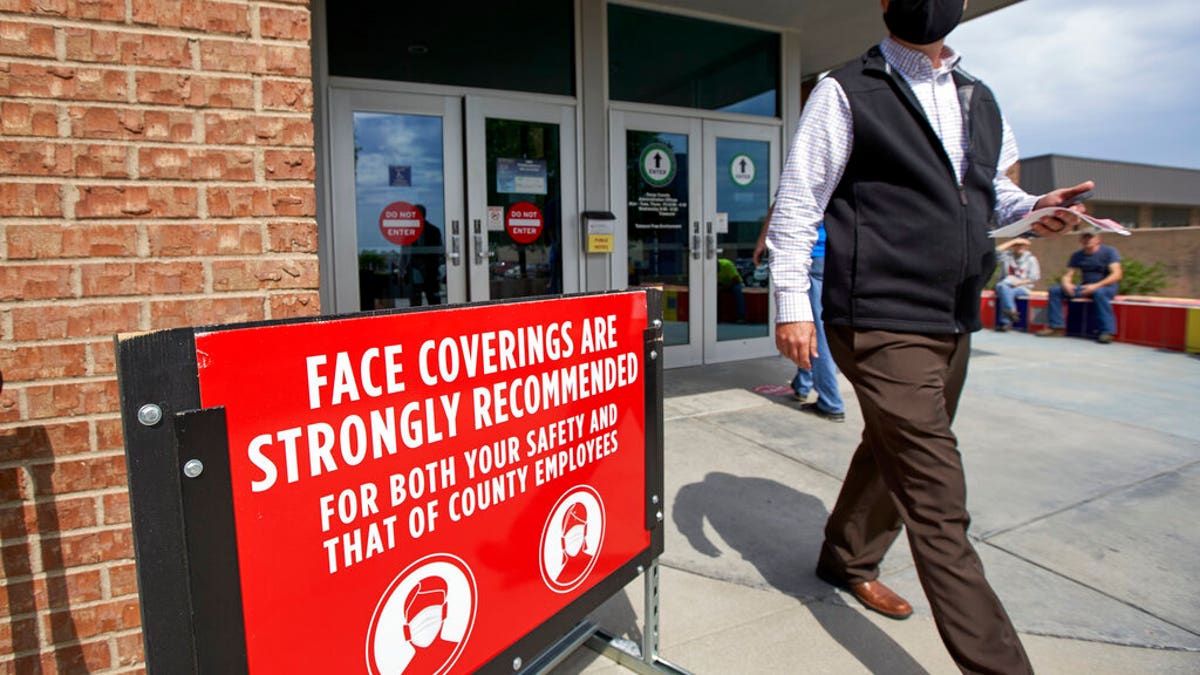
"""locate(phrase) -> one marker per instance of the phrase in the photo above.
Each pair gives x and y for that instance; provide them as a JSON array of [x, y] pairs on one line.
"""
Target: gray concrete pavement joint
[[986, 536], [1101, 592]]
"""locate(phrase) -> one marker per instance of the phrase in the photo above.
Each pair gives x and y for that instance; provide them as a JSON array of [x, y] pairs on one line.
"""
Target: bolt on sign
[[431, 491]]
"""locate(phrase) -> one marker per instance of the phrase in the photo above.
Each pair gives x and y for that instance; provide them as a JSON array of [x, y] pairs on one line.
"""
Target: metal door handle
[[696, 247], [710, 241], [478, 242], [455, 246]]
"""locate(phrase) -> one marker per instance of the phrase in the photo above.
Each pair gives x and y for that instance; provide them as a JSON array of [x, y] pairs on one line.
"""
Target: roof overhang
[[831, 31]]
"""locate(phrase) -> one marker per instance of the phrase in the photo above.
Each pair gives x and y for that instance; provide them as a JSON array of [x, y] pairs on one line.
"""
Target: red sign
[[413, 493], [524, 222], [401, 223]]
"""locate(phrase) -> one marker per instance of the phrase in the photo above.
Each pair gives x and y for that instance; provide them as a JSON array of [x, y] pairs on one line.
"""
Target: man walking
[[904, 157]]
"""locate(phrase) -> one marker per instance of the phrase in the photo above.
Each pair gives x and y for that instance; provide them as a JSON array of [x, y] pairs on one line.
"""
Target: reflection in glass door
[[521, 172], [655, 188], [397, 207], [739, 181]]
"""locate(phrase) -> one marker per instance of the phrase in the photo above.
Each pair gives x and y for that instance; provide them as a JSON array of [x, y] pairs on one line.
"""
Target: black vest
[[908, 248]]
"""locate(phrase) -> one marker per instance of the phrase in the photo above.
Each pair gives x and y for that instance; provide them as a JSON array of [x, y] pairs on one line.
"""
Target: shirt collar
[[913, 64]]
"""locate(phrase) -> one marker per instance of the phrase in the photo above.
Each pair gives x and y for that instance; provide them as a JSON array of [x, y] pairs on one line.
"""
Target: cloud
[[1096, 78]]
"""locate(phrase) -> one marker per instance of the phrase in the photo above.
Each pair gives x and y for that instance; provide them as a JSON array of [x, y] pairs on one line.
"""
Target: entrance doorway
[[442, 199], [693, 195]]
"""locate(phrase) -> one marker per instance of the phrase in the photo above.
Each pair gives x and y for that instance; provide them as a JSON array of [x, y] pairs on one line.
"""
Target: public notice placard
[[413, 492]]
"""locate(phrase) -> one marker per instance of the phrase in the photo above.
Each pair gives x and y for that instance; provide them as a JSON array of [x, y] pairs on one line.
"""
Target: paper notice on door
[[1026, 224], [495, 219], [722, 223]]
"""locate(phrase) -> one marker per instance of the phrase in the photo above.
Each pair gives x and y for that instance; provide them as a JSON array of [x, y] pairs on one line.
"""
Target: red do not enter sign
[[524, 222], [401, 223]]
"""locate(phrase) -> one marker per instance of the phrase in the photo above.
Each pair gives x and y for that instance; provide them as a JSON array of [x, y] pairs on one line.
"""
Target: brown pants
[[907, 469]]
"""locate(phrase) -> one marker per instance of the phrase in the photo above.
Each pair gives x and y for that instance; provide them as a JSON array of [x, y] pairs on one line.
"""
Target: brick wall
[[156, 170]]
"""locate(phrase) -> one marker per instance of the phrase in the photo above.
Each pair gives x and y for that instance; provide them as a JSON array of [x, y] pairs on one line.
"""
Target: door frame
[[692, 352], [344, 218], [702, 131], [478, 109], [732, 350]]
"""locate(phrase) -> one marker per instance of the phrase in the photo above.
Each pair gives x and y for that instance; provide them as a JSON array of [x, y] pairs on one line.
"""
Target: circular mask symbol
[[571, 539]]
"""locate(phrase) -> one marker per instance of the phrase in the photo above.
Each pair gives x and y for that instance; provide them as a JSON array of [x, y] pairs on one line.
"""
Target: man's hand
[[1052, 226], [1088, 289], [797, 341], [1069, 288]]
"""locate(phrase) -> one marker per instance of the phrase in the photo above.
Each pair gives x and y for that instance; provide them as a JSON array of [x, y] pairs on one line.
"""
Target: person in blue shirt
[[1099, 269], [822, 378]]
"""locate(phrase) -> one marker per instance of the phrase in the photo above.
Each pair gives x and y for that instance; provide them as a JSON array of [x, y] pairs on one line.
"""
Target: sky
[[1104, 79]]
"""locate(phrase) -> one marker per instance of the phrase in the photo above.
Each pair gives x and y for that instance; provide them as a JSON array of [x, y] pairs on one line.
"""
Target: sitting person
[[1019, 271], [1100, 271]]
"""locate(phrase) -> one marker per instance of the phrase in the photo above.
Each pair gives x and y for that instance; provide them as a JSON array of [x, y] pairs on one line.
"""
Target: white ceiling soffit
[[831, 31]]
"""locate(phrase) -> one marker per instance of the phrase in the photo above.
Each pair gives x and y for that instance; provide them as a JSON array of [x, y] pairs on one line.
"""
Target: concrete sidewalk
[[1083, 467]]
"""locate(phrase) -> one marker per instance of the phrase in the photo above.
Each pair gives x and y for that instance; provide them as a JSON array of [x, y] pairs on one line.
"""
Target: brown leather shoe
[[1051, 332], [873, 595]]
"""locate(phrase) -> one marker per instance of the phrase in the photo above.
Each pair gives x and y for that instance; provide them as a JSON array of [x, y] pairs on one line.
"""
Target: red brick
[[196, 164], [94, 620], [63, 82], [28, 119], [26, 39], [169, 13], [238, 202], [53, 516], [34, 158], [71, 399], [179, 89], [44, 441], [292, 237], [142, 278], [226, 17], [128, 48], [14, 558], [101, 318], [27, 242], [234, 56], [116, 509], [12, 488], [58, 591], [109, 201], [40, 361], [295, 95], [247, 275], [101, 161], [76, 475], [18, 635], [205, 239], [284, 23], [298, 201], [75, 550], [129, 651], [102, 358], [89, 657], [108, 431], [10, 410], [103, 122], [122, 579], [290, 165], [205, 311], [35, 282], [103, 10], [288, 61], [241, 129], [30, 199], [293, 305], [17, 597]]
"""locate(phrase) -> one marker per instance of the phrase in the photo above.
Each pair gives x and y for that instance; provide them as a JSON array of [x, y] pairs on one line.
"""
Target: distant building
[[1135, 195]]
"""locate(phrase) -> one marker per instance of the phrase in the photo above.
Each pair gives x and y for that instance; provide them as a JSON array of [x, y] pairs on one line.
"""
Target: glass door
[[740, 174], [656, 183], [523, 222], [398, 207]]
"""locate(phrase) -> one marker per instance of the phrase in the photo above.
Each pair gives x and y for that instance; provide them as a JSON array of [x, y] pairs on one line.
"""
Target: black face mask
[[922, 22]]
